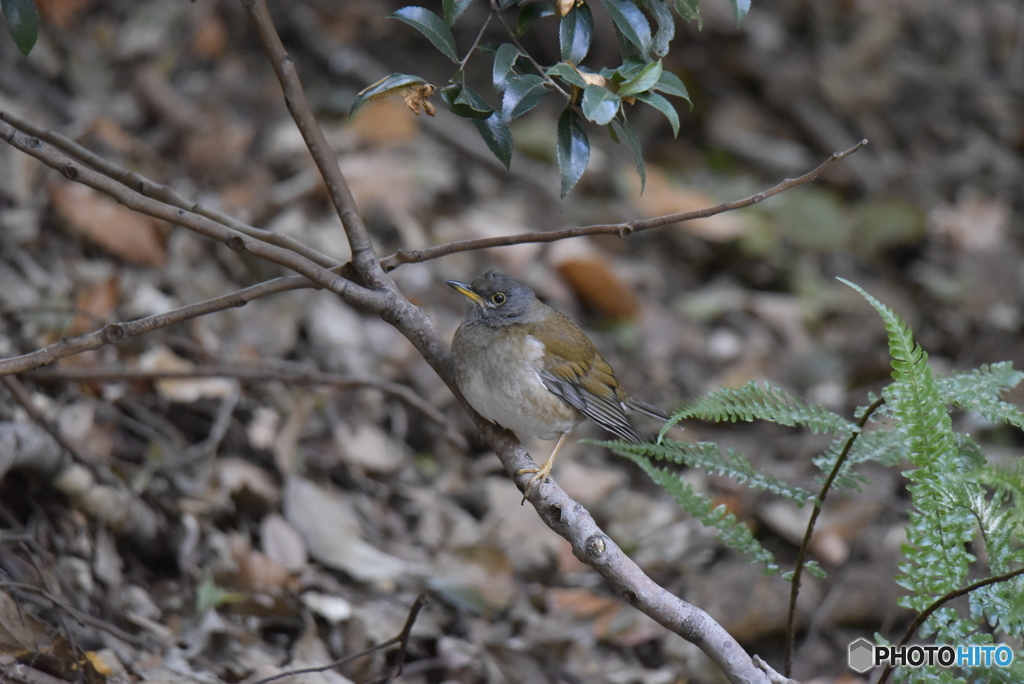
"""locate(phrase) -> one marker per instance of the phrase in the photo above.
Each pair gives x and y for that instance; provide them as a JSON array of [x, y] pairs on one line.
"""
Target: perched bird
[[528, 368]]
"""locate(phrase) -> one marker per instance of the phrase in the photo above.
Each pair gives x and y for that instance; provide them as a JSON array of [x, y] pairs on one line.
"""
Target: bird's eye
[[498, 299]]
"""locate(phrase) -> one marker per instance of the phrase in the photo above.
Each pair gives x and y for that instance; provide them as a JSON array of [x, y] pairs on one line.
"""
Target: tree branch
[[163, 193], [401, 639], [400, 257], [116, 333], [364, 256], [254, 374], [238, 242], [378, 293]]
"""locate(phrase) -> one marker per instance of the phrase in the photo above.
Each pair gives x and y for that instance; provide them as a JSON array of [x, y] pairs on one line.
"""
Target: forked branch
[[373, 290]]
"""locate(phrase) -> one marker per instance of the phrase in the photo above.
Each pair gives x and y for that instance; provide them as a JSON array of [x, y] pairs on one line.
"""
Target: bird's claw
[[542, 474]]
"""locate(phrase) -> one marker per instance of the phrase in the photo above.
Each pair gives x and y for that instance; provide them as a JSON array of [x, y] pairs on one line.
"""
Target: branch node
[[237, 243], [70, 171], [596, 546], [113, 333]]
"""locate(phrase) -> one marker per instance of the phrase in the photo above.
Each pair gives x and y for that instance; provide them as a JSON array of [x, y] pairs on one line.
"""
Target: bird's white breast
[[501, 380]]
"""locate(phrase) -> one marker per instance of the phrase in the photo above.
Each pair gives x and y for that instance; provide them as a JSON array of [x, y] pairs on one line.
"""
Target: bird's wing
[[587, 384]]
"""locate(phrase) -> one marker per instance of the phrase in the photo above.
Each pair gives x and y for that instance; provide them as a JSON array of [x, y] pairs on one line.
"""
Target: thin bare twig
[[116, 333], [479, 35], [298, 377], [400, 257], [106, 499], [148, 188], [364, 256], [805, 544], [514, 39], [402, 639], [238, 242], [80, 615], [24, 399]]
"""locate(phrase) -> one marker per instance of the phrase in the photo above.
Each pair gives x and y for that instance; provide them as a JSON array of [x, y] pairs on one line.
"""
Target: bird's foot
[[542, 473]]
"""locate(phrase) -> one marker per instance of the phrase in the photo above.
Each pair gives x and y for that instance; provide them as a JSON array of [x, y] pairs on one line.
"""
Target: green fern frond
[[886, 446], [981, 389], [730, 531], [941, 523], [913, 395], [756, 402], [1008, 480], [709, 457]]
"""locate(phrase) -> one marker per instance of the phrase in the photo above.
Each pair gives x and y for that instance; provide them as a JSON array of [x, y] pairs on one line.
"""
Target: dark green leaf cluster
[[643, 28]]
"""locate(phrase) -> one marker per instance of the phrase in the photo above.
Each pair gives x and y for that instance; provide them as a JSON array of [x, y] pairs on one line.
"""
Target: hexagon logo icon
[[862, 655]]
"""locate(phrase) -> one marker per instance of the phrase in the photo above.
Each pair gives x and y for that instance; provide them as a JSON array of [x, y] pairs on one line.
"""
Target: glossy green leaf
[[395, 85], [567, 73], [497, 135], [643, 81], [531, 13], [522, 93], [453, 9], [22, 20], [600, 105], [663, 106], [573, 149], [465, 102], [690, 10], [504, 59], [670, 84], [575, 31], [430, 25], [740, 9], [666, 26], [625, 133], [631, 23]]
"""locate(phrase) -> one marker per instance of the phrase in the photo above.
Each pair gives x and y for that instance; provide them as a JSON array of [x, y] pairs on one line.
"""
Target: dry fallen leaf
[[210, 38], [385, 122], [242, 479], [975, 224], [327, 520], [95, 305], [130, 236], [186, 390], [598, 286], [282, 543]]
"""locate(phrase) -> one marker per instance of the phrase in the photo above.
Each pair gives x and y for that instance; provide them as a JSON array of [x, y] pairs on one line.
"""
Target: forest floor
[[308, 475]]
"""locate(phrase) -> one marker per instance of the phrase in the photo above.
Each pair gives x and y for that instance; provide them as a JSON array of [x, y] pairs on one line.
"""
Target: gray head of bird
[[497, 299]]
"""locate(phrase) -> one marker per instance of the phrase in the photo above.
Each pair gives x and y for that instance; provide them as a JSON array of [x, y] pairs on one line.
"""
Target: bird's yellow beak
[[464, 289]]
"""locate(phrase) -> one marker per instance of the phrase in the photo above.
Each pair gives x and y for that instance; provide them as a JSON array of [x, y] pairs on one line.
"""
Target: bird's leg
[[545, 470]]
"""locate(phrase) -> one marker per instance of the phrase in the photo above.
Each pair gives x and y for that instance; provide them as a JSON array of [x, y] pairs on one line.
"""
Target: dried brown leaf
[[128, 235]]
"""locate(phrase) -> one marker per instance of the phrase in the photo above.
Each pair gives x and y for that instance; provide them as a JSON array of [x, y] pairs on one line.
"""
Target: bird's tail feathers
[[644, 407]]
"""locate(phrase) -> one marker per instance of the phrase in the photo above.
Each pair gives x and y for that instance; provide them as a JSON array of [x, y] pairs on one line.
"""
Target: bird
[[527, 367]]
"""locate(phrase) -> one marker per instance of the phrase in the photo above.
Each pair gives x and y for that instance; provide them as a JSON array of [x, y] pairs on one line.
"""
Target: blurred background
[[926, 217]]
